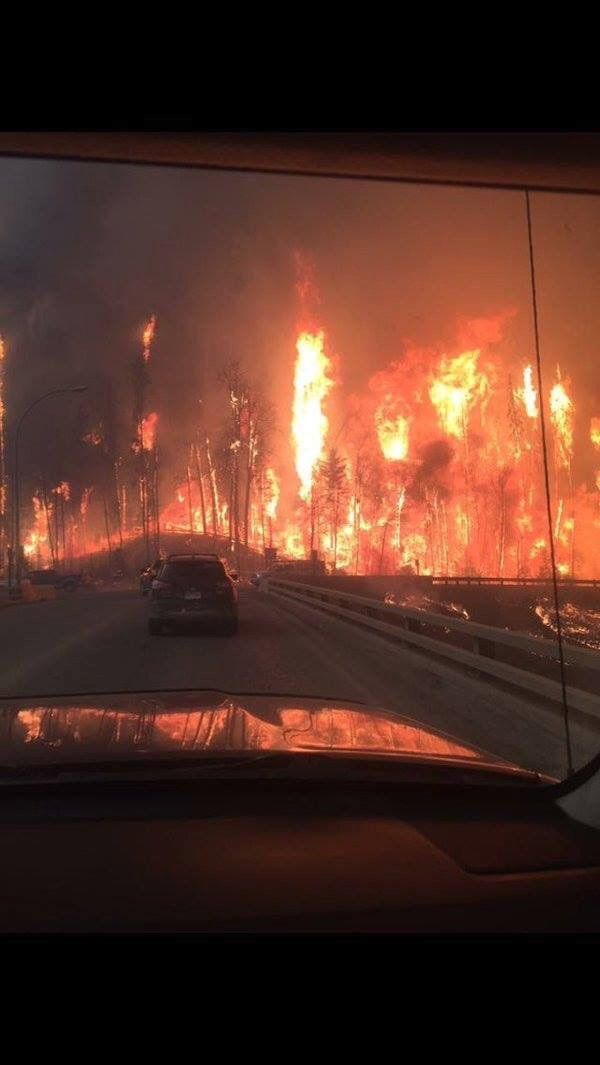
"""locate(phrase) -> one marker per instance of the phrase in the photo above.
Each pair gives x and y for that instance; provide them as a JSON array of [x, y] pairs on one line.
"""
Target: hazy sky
[[87, 251]]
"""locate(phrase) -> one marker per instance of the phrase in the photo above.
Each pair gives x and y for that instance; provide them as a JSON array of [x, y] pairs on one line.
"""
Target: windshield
[[191, 571], [378, 404]]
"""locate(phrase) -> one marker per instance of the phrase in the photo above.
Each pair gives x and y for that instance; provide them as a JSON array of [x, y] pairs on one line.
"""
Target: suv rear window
[[197, 570]]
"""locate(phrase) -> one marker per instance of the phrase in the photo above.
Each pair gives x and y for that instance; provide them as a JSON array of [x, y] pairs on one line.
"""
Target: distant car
[[192, 588], [51, 577], [148, 574]]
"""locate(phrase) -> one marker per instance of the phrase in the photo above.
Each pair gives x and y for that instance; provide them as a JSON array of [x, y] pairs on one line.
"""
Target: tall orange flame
[[312, 383], [595, 431], [455, 390], [561, 415], [273, 491], [85, 501], [148, 336], [148, 431], [37, 538], [392, 429], [528, 393]]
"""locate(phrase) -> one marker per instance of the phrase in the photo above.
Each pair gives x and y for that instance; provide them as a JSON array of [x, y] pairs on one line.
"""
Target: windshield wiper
[[325, 766], [10, 774]]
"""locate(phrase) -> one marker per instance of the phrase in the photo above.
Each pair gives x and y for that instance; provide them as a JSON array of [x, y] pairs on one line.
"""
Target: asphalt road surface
[[98, 642]]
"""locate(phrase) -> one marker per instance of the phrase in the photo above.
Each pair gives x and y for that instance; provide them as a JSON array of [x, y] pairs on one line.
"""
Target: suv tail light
[[161, 588]]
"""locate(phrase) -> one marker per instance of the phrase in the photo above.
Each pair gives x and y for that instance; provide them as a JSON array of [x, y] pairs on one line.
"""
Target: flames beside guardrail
[[514, 658]]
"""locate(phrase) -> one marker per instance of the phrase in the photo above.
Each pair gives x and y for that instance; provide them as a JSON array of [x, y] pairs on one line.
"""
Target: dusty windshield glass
[[377, 404], [191, 571]]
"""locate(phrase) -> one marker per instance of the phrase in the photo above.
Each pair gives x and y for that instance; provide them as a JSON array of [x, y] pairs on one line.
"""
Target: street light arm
[[40, 399]]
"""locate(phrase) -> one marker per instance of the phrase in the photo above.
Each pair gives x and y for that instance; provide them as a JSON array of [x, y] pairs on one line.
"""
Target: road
[[92, 641]]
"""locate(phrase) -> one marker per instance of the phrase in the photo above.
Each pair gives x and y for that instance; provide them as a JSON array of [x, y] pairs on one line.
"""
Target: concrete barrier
[[429, 632]]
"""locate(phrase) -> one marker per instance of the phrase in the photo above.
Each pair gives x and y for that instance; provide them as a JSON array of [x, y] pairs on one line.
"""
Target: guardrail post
[[485, 647]]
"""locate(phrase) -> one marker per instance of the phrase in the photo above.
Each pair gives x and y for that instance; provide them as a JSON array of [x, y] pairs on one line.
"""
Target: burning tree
[[335, 492], [144, 446], [245, 448]]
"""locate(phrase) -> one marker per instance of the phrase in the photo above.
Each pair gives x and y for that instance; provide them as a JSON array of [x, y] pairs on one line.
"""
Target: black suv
[[192, 588]]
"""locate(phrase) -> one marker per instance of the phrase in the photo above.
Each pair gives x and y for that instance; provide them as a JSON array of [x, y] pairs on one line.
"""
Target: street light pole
[[16, 500]]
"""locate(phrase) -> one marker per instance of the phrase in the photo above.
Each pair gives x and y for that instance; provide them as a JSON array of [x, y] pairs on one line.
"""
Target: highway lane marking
[[20, 674]]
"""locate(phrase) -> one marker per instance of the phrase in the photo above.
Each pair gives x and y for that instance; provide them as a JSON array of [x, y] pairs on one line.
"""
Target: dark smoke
[[433, 459], [88, 251]]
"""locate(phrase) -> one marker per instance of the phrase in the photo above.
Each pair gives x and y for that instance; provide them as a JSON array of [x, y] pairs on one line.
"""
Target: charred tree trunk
[[189, 493], [156, 505], [383, 538], [247, 490], [213, 489], [336, 519], [261, 508], [56, 530], [356, 519], [235, 499], [107, 527], [231, 499], [118, 505], [51, 540], [313, 516], [198, 461]]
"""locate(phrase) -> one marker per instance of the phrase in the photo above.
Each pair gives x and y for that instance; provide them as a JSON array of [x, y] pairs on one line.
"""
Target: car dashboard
[[222, 857]]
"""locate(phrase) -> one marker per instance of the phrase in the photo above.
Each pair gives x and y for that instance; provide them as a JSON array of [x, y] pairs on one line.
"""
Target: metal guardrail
[[406, 624], [507, 582]]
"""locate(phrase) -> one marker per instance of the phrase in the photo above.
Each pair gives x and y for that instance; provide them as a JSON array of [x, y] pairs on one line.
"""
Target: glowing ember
[[595, 431], [148, 336], [63, 489], [85, 501], [148, 431], [309, 423], [456, 389], [94, 438]]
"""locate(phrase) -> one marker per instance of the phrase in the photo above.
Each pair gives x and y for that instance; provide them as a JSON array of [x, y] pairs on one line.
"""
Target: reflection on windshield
[[49, 734]]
